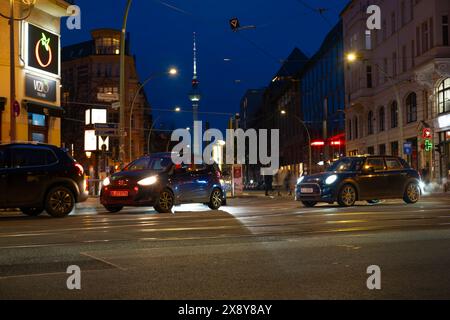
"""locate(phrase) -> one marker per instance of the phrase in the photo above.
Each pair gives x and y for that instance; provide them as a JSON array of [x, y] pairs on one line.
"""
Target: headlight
[[148, 181], [300, 180], [106, 182], [331, 179]]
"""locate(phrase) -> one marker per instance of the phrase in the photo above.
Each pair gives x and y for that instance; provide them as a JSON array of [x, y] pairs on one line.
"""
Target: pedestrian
[[287, 182], [268, 179]]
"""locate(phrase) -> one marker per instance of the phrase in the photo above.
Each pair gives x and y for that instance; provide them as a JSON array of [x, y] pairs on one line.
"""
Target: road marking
[[103, 260]]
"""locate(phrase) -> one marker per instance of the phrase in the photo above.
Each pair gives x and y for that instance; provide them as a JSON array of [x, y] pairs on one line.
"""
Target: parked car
[[157, 182], [38, 177], [369, 178]]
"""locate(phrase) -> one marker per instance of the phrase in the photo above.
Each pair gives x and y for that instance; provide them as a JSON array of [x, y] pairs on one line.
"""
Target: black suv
[[38, 177], [369, 178]]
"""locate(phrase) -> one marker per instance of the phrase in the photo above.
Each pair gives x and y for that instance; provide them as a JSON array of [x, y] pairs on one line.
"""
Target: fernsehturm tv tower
[[195, 98]]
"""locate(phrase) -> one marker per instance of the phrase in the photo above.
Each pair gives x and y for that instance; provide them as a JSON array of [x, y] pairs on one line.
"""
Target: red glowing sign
[[426, 134], [317, 143]]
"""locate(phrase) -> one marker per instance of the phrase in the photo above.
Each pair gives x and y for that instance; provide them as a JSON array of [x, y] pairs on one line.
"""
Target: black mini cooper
[[369, 178]]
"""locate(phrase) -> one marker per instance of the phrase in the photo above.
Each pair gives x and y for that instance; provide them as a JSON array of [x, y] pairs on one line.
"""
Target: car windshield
[[150, 163], [346, 165]]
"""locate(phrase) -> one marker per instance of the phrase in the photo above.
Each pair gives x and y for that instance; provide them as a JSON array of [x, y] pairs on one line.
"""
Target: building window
[[425, 42], [107, 46], [37, 127], [394, 64], [402, 13], [394, 148], [394, 115], [444, 96], [411, 108], [393, 24], [445, 34], [381, 119], [349, 130], [371, 150], [370, 123], [369, 76], [355, 126], [382, 149], [404, 60]]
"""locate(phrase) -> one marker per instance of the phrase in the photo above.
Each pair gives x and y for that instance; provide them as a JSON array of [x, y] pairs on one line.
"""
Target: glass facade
[[322, 84]]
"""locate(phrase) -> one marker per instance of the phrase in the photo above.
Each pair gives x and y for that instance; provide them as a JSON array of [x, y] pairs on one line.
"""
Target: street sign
[[115, 105], [107, 133], [426, 133], [234, 24], [100, 126], [407, 148]]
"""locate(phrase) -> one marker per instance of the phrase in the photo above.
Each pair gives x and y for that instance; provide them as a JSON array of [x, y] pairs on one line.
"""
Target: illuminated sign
[[426, 134], [42, 49], [428, 145], [444, 121], [317, 143], [40, 88]]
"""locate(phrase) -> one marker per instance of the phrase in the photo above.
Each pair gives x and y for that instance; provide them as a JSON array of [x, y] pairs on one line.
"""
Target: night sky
[[161, 36]]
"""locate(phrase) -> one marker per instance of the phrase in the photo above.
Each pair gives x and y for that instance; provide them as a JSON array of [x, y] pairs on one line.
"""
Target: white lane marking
[[103, 260]]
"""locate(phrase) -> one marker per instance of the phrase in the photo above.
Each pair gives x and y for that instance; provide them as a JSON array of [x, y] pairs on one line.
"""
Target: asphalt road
[[255, 248]]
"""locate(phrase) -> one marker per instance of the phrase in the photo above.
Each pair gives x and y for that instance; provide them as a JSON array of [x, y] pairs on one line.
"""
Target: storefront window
[[443, 95], [37, 127]]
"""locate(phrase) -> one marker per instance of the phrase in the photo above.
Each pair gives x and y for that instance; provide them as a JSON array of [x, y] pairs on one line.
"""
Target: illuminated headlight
[[422, 186], [300, 180], [331, 179], [106, 182], [148, 181]]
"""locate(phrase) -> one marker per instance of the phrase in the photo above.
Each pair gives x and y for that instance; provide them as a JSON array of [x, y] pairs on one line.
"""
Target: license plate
[[119, 194], [307, 190]]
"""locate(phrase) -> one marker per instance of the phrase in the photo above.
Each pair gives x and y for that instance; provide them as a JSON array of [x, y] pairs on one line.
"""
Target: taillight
[[79, 168]]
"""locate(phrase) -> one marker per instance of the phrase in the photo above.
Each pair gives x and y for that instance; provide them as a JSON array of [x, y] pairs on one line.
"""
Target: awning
[[45, 109], [2, 103]]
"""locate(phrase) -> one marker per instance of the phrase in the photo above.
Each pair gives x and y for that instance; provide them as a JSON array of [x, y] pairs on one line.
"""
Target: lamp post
[[171, 72], [122, 84], [353, 57], [12, 57], [283, 113]]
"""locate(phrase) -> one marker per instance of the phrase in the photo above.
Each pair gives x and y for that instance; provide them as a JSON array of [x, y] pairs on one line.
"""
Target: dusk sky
[[161, 36]]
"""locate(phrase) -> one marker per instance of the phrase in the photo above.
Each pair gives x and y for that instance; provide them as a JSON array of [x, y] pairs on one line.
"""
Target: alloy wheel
[[348, 195], [61, 202], [166, 200], [413, 192]]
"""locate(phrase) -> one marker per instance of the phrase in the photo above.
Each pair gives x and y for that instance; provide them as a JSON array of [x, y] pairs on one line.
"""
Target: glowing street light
[[177, 109], [351, 57]]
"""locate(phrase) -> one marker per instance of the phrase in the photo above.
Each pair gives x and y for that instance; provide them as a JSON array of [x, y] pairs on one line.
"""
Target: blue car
[[369, 178], [157, 182]]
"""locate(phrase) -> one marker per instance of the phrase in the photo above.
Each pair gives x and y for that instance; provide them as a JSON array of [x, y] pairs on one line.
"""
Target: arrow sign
[[234, 24]]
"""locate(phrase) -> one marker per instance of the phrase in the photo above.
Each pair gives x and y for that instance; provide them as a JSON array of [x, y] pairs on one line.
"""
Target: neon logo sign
[[43, 42]]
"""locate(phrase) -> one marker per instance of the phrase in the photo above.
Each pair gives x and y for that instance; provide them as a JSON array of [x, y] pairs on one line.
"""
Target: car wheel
[[309, 204], [165, 202], [59, 202], [373, 201], [216, 199], [347, 196], [113, 209], [412, 193], [32, 212]]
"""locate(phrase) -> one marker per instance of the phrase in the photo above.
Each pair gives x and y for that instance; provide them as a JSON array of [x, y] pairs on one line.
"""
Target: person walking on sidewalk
[[268, 180]]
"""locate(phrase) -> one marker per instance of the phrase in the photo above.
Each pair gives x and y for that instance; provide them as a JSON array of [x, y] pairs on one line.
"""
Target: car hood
[[317, 178], [134, 175]]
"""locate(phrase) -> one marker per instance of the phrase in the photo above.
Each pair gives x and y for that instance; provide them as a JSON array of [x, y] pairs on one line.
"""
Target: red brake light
[[79, 168]]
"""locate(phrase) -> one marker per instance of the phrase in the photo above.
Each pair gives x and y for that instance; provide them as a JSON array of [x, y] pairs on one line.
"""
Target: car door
[[182, 184], [200, 179], [28, 176], [3, 176], [397, 176], [373, 179]]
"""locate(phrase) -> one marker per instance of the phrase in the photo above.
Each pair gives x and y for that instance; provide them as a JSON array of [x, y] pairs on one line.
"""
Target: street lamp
[[283, 112], [353, 57], [171, 72], [177, 109], [122, 84], [12, 61]]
